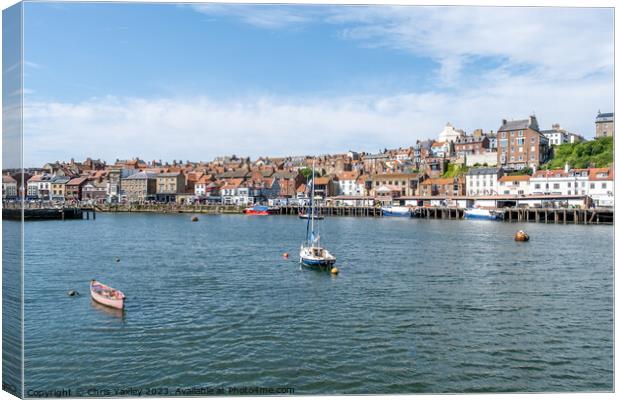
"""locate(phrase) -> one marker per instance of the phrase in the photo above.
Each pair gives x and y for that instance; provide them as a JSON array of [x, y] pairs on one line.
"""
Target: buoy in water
[[73, 293], [334, 271], [194, 219], [118, 259], [285, 255], [522, 236]]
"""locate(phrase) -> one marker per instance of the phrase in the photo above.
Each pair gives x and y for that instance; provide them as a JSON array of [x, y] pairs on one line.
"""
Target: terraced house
[[169, 186]]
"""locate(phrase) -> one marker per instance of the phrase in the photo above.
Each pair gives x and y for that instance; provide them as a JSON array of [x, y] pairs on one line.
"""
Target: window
[[512, 158], [592, 186], [512, 134], [603, 185], [556, 185], [537, 186], [520, 133], [521, 141], [568, 184], [533, 140], [503, 134], [569, 193]]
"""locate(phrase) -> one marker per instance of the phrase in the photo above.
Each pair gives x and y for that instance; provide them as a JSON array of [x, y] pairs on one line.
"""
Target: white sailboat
[[311, 253]]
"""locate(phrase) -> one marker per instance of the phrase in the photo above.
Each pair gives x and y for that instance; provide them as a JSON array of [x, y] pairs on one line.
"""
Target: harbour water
[[420, 306]]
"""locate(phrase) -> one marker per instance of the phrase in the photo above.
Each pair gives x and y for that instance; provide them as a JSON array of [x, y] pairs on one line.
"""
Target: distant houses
[[449, 164]]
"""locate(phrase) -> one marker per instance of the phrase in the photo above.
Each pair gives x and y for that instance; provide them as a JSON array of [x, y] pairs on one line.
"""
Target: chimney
[[504, 121]]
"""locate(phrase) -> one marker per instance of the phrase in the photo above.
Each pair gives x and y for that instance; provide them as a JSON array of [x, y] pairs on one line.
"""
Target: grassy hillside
[[596, 153]]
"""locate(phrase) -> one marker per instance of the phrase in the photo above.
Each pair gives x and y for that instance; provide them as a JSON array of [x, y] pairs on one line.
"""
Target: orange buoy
[[334, 271], [522, 236], [285, 255]]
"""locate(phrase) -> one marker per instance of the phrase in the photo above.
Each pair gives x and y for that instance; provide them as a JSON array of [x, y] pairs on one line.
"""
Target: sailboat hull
[[317, 263]]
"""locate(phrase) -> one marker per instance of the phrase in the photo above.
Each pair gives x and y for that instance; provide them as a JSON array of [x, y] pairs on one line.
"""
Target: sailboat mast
[[312, 200]]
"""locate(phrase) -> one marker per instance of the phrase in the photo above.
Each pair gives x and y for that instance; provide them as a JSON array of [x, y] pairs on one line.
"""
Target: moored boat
[[480, 213], [396, 211], [106, 295], [307, 216], [311, 253], [259, 210]]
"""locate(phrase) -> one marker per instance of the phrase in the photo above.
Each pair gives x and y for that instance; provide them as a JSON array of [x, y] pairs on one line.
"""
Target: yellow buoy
[[194, 219], [334, 271], [522, 236]]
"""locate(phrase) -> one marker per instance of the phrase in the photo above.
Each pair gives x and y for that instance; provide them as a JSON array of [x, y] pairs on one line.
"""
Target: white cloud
[[202, 128], [262, 16]]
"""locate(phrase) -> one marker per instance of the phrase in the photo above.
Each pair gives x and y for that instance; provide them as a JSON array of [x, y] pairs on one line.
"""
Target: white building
[[483, 181], [348, 184], [556, 135], [567, 182], [39, 187], [601, 186], [9, 187], [516, 185], [450, 134]]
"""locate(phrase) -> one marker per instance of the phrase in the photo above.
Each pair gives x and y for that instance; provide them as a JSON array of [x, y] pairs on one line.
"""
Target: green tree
[[594, 153]]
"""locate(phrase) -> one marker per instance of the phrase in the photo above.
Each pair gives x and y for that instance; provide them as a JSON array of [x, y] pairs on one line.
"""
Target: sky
[[196, 81]]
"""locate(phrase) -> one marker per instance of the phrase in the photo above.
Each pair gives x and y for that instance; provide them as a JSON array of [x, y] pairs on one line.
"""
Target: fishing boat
[[106, 295], [259, 210], [480, 213], [311, 253], [396, 211]]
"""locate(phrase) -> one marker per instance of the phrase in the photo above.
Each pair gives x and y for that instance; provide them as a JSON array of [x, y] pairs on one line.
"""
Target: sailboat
[[311, 253]]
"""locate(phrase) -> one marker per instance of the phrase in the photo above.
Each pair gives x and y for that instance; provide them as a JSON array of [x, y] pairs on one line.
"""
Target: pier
[[583, 216]]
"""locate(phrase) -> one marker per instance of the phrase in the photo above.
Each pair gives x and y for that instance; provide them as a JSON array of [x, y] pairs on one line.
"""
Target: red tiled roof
[[514, 178]]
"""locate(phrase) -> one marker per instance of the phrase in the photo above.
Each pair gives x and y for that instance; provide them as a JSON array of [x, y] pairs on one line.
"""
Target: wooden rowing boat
[[106, 295]]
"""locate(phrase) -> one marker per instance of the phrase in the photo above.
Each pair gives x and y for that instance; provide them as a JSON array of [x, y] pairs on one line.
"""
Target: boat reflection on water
[[112, 312]]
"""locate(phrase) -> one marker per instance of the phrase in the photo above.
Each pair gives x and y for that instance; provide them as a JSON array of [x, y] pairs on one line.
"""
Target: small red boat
[[106, 295], [259, 210]]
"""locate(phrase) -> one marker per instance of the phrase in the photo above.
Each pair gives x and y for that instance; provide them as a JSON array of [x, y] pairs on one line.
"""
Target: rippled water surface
[[419, 306]]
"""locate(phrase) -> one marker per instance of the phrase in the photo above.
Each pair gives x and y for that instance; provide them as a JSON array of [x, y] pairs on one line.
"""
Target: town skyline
[[334, 76]]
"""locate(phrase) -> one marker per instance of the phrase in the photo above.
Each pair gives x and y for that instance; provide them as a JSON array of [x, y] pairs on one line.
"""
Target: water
[[419, 306]]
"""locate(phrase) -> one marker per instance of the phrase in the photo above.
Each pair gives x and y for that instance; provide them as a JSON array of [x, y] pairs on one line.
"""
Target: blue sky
[[172, 81]]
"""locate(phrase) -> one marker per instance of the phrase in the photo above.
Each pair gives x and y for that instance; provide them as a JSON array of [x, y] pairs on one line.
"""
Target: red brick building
[[520, 144]]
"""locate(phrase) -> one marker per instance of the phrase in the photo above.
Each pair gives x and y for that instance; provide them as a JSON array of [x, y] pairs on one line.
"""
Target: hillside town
[[502, 167]]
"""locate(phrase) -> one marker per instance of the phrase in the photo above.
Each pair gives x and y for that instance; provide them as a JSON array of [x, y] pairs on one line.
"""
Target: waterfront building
[[604, 124], [229, 192], [95, 190], [269, 188], [200, 188], [73, 188], [115, 178], [347, 184], [39, 187], [514, 185], [324, 186], [449, 134], [521, 145], [483, 181], [169, 186], [601, 186], [139, 187], [402, 184], [566, 182], [443, 187], [57, 187], [9, 187]]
